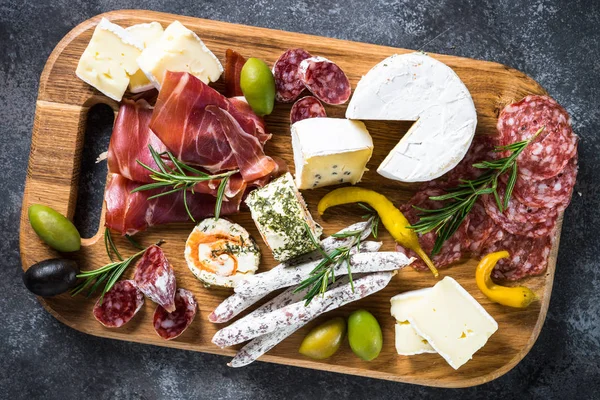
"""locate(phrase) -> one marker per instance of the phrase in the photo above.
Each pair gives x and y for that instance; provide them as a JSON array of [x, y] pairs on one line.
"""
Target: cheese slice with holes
[[453, 322], [148, 34], [417, 87], [408, 341]]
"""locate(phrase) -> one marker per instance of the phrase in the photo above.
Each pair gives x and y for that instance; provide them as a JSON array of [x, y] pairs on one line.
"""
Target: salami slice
[[554, 192], [119, 305], [307, 107], [325, 80], [171, 325], [288, 86], [482, 149], [518, 247], [480, 228], [552, 149], [155, 277]]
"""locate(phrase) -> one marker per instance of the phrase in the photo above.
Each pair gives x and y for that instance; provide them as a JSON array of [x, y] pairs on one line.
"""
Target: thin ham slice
[[234, 62]]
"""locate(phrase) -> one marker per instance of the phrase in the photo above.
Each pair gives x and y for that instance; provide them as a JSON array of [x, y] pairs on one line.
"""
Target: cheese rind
[[330, 151], [109, 59], [417, 87], [453, 322], [408, 341], [281, 216], [147, 34], [179, 50]]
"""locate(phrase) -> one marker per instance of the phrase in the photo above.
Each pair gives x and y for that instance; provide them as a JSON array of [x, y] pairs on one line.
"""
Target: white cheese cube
[[179, 50], [330, 151], [453, 322], [408, 341], [281, 216], [148, 34], [109, 59]]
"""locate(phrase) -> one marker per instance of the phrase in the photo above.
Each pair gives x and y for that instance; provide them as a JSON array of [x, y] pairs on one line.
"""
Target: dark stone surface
[[556, 42]]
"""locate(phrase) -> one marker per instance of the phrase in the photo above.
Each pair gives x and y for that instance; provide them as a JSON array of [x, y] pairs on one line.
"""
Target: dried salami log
[[288, 85], [155, 277], [234, 62], [171, 325], [550, 152], [119, 305], [325, 80], [307, 107]]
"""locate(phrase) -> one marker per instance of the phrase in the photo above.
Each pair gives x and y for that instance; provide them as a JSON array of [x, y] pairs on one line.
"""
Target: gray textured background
[[555, 42]]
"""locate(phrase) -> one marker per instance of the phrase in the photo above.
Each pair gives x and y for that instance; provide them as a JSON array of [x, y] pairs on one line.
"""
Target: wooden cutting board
[[53, 178]]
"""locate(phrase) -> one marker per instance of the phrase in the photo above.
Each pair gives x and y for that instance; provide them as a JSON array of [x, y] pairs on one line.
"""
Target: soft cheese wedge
[[147, 34], [179, 50], [330, 151], [417, 87], [281, 217], [408, 341], [110, 59], [452, 321]]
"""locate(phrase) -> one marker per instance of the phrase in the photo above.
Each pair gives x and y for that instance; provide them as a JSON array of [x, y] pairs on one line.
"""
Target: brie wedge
[[408, 341], [179, 50], [417, 87], [109, 59], [330, 151], [148, 34]]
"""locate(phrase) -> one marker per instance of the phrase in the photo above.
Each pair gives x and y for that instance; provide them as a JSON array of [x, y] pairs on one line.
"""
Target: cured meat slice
[[244, 108], [119, 305], [155, 277], [288, 85], [129, 213], [480, 228], [554, 192], [482, 149], [550, 152], [234, 62], [307, 107], [171, 325], [325, 80]]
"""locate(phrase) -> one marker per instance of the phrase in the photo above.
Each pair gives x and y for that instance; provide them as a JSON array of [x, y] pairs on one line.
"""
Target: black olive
[[51, 277]]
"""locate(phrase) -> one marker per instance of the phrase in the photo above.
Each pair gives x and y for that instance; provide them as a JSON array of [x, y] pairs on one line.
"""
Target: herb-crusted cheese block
[[330, 151], [417, 87], [281, 217]]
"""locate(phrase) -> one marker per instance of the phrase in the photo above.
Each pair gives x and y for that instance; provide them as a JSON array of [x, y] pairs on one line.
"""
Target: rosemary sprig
[[445, 221], [110, 246], [323, 275], [180, 177]]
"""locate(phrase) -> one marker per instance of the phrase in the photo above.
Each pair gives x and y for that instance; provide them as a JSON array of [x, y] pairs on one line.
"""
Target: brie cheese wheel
[[281, 216], [408, 341], [453, 322], [220, 252], [110, 59], [330, 151], [179, 50], [147, 34], [417, 87]]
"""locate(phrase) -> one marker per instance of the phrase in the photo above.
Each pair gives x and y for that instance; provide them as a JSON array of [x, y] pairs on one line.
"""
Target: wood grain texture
[[53, 174]]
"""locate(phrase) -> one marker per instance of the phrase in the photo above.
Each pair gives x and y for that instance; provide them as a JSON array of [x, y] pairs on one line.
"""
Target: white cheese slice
[[179, 50], [330, 151], [453, 322], [417, 87], [109, 59], [281, 216], [148, 34], [408, 341]]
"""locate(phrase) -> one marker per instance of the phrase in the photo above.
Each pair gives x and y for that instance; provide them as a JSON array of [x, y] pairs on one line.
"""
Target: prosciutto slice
[[129, 213], [234, 62]]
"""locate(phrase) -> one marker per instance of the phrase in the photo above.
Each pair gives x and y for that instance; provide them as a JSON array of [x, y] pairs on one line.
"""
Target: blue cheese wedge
[[408, 341], [453, 322], [179, 50], [147, 34], [330, 151], [281, 216], [109, 60], [220, 252], [417, 87]]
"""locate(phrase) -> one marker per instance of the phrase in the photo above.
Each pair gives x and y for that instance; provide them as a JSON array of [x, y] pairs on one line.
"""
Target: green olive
[[324, 340], [53, 228], [258, 86], [364, 335]]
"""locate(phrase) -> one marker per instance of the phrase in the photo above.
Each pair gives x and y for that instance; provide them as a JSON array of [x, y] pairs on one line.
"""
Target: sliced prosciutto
[[129, 213], [234, 62]]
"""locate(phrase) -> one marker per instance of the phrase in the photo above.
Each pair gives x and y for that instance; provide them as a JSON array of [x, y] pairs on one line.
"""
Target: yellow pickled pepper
[[392, 218]]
